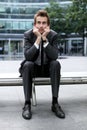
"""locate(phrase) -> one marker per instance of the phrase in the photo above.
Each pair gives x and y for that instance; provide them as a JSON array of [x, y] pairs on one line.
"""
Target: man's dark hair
[[42, 13]]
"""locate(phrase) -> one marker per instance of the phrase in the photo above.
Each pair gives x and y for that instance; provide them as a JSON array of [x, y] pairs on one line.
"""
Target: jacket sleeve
[[30, 51], [52, 48]]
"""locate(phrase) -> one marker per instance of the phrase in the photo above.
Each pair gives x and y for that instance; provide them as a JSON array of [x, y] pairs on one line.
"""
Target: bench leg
[[34, 102]]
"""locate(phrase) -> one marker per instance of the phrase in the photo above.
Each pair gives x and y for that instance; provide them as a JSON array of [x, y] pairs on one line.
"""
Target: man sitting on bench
[[41, 53]]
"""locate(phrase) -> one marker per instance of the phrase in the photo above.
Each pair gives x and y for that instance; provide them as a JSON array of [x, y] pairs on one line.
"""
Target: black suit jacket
[[31, 52]]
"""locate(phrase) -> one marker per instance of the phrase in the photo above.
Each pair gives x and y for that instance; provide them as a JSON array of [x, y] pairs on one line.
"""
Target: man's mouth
[[41, 30]]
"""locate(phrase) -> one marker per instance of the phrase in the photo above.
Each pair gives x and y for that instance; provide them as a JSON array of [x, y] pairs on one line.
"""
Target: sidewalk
[[68, 64], [72, 98]]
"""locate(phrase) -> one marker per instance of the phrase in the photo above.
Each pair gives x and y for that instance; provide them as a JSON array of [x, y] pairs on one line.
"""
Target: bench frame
[[67, 78]]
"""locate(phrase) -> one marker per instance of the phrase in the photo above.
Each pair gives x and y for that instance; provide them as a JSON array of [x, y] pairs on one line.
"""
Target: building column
[[85, 43], [85, 46], [9, 47]]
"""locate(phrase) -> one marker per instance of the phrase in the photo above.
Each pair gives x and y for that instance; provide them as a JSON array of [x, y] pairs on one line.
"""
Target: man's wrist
[[45, 43], [44, 40], [36, 45]]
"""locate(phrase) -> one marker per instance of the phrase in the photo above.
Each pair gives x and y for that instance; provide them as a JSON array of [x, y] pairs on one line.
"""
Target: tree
[[70, 19], [57, 18], [76, 18]]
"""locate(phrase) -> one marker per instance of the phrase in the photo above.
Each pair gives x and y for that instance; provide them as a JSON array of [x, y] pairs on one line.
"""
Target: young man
[[41, 53]]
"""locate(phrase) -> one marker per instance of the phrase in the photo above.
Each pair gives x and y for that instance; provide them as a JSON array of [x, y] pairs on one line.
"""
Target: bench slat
[[42, 81]]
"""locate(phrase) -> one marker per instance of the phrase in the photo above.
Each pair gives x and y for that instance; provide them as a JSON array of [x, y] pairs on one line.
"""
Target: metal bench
[[13, 79]]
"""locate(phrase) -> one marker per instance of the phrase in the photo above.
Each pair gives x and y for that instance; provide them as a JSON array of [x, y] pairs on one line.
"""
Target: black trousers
[[30, 70]]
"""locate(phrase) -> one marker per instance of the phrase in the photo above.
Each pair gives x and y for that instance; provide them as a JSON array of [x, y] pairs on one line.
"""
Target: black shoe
[[58, 111], [27, 112]]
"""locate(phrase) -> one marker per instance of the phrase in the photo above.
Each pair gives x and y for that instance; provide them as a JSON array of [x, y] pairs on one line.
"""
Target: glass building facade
[[16, 16]]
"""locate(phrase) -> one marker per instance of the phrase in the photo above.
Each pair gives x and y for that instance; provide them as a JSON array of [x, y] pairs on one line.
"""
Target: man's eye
[[44, 22], [38, 22]]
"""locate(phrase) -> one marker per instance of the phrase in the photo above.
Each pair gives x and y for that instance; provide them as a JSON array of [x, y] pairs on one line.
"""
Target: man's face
[[41, 23]]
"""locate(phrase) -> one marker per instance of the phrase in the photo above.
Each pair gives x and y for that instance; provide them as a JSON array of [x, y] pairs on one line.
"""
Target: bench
[[13, 79]]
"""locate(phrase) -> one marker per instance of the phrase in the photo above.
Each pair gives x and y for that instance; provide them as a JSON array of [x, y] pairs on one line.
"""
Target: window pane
[[28, 25], [15, 10], [15, 25], [2, 9], [8, 25], [2, 24], [22, 25]]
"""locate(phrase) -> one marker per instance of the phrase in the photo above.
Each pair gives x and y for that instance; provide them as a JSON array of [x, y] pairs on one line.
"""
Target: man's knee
[[55, 64], [28, 64]]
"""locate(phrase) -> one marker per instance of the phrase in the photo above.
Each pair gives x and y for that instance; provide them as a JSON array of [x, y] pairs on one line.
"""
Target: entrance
[[11, 49], [16, 47], [76, 47], [3, 47]]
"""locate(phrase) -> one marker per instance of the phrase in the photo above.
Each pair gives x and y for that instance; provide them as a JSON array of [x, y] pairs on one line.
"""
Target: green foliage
[[70, 19], [76, 16], [56, 16]]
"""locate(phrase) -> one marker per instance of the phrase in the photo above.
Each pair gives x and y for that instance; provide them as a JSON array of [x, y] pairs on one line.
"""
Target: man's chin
[[41, 31]]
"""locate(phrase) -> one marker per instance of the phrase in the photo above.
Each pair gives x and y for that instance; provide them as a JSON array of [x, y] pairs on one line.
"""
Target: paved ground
[[73, 99], [67, 64]]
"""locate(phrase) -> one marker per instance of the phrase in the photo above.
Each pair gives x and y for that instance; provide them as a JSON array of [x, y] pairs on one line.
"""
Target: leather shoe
[[26, 114], [58, 111]]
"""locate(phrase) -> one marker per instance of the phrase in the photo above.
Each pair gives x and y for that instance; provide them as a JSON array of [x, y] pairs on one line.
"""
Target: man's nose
[[41, 24]]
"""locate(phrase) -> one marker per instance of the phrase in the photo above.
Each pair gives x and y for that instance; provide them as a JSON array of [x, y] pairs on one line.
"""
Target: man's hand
[[46, 31], [37, 33]]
